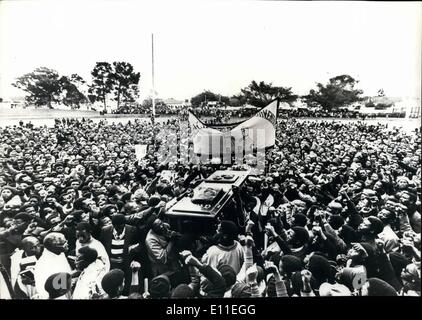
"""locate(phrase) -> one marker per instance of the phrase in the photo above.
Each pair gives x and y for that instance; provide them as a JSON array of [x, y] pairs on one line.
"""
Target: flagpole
[[153, 84]]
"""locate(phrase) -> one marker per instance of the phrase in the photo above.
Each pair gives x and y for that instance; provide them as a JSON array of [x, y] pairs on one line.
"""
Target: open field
[[41, 117]]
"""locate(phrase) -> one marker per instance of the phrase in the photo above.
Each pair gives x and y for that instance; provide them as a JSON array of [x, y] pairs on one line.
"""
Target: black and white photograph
[[199, 150]]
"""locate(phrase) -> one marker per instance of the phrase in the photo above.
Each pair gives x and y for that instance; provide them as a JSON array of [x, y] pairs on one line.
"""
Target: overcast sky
[[219, 45]]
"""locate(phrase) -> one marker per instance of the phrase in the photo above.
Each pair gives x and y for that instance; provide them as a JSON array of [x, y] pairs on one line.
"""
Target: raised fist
[[306, 276], [270, 231], [135, 265], [252, 274], [185, 254]]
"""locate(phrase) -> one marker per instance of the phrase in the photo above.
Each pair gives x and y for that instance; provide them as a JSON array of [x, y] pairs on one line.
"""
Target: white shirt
[[48, 264], [15, 260], [218, 255]]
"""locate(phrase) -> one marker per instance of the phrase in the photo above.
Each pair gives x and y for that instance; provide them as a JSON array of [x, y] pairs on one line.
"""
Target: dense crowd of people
[[321, 113], [210, 115], [337, 113], [218, 115], [337, 213], [145, 109]]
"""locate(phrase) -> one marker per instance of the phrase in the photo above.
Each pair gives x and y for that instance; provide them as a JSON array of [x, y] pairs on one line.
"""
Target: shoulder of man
[[130, 229], [213, 250], [107, 228], [105, 231]]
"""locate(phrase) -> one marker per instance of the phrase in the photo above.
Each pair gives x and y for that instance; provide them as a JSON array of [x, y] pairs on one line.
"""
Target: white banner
[[256, 133], [205, 140], [260, 129]]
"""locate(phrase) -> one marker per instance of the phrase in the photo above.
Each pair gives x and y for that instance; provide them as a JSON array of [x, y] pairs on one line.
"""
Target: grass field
[[32, 113]]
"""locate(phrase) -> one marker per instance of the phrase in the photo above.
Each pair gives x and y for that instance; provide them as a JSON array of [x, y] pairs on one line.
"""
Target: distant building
[[409, 106], [176, 104], [13, 103], [298, 103]]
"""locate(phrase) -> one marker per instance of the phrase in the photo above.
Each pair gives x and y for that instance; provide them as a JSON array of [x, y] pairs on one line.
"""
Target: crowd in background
[[145, 109], [321, 113], [220, 114], [338, 113], [337, 213]]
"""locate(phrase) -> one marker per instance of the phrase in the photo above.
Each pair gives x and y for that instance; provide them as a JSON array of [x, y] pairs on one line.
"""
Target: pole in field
[[153, 84]]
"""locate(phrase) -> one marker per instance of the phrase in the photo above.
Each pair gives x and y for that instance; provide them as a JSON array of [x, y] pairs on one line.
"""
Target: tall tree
[[237, 100], [338, 92], [102, 82], [125, 82], [43, 86], [260, 94], [71, 93], [206, 96]]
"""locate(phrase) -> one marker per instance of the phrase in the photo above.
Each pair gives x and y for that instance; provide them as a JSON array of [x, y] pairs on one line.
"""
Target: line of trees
[[256, 94], [338, 92], [118, 81], [45, 87]]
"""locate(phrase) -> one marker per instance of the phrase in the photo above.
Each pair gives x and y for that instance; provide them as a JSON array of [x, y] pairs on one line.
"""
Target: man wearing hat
[[334, 207]]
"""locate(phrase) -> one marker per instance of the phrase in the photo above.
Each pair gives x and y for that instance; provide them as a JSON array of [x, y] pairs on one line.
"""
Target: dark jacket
[[217, 284], [131, 238]]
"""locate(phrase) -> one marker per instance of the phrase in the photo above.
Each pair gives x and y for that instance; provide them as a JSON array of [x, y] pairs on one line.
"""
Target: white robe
[[48, 264], [5, 294], [89, 281]]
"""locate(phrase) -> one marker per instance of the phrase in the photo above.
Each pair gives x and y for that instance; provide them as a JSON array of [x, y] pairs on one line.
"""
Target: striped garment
[[117, 248]]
